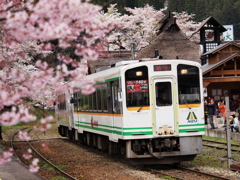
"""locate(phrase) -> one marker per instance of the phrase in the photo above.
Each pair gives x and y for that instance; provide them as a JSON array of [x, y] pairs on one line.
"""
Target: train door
[[115, 107], [164, 106]]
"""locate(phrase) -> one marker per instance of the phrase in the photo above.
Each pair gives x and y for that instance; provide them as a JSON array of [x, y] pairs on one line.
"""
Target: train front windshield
[[137, 87], [188, 84]]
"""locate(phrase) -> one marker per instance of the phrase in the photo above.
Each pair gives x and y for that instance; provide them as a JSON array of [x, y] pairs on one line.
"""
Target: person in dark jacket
[[211, 112]]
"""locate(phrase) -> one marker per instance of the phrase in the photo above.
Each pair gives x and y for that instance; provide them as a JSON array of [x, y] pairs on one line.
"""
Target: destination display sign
[[137, 86], [166, 67]]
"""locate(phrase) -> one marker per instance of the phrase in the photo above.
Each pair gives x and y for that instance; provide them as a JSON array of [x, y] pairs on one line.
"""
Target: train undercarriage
[[138, 151]]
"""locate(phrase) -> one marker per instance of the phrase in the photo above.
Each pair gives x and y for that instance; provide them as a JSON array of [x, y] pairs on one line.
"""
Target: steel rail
[[210, 175], [217, 147], [51, 164], [223, 143], [165, 174], [12, 140], [186, 169], [66, 174]]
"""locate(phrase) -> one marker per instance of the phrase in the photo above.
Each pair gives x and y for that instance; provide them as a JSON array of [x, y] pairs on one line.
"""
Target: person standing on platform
[[211, 112], [205, 112], [222, 109], [216, 113]]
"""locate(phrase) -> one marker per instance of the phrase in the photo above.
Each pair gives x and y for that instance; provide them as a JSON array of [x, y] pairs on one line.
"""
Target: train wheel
[[113, 148]]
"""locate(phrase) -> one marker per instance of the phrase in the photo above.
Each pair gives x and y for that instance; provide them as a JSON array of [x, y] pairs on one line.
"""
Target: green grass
[[206, 160], [58, 178], [61, 166], [213, 157], [218, 139], [168, 177]]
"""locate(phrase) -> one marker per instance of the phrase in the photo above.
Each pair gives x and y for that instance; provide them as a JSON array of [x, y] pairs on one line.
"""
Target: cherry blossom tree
[[42, 27], [140, 27]]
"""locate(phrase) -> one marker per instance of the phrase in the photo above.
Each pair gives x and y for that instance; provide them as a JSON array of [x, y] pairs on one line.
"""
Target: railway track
[[174, 172], [21, 146], [182, 173], [221, 145], [235, 149]]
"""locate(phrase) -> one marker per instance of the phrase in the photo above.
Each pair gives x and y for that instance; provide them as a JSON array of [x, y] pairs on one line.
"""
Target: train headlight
[[138, 73], [184, 71]]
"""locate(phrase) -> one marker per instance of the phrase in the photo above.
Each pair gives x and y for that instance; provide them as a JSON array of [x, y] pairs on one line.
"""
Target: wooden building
[[210, 33], [221, 74]]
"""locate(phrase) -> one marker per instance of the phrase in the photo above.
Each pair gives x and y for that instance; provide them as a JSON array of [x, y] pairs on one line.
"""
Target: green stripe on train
[[107, 80], [115, 127], [188, 125], [115, 131], [193, 130]]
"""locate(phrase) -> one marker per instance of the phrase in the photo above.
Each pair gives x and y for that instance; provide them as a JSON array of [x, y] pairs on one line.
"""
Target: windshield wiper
[[183, 99], [139, 109]]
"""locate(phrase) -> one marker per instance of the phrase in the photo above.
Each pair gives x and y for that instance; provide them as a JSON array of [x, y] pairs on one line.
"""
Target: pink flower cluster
[[6, 157], [34, 166], [44, 123], [28, 155], [30, 28], [23, 136]]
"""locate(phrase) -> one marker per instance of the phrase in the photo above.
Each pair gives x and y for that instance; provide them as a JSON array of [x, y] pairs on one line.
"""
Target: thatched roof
[[167, 22], [171, 45]]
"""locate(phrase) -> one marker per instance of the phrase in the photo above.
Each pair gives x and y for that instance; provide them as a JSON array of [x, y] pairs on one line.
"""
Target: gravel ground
[[79, 161], [86, 163]]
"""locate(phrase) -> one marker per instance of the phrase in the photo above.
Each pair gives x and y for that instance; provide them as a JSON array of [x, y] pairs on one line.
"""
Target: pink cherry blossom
[[6, 157], [44, 123], [28, 155], [34, 166], [31, 29], [141, 25], [24, 136]]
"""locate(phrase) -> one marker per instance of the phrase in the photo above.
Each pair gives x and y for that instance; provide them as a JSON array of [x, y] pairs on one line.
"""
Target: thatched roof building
[[171, 43]]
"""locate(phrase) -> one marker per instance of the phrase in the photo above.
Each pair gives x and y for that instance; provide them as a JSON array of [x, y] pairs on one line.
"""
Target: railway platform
[[220, 131], [15, 170]]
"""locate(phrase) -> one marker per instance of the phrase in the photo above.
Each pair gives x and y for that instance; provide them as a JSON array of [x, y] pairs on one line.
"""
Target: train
[[150, 111]]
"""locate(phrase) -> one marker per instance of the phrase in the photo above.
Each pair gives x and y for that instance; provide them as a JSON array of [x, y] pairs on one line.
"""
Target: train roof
[[111, 72], [114, 70]]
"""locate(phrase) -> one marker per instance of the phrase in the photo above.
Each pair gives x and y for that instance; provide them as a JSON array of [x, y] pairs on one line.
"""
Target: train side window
[[95, 101], [75, 101], [81, 102], [105, 97], [99, 98]]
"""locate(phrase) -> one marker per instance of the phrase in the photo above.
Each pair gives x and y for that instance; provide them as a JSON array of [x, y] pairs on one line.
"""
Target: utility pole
[[229, 151]]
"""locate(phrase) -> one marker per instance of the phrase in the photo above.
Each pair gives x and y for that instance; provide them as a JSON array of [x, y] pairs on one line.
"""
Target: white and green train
[[151, 111]]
